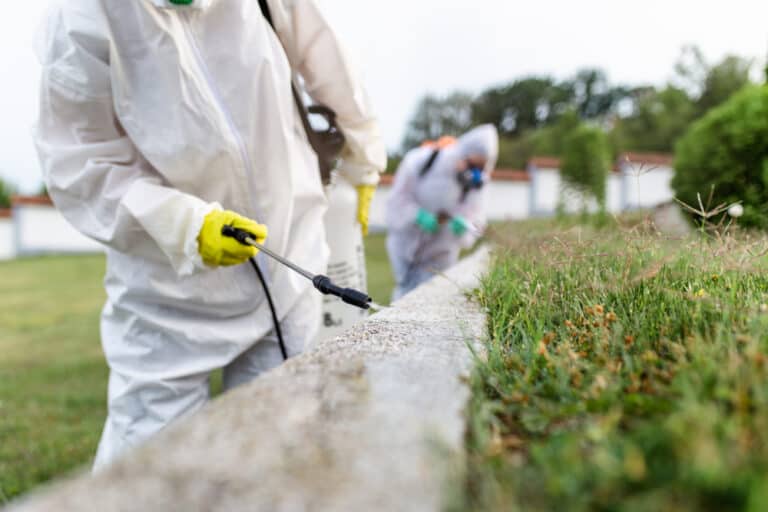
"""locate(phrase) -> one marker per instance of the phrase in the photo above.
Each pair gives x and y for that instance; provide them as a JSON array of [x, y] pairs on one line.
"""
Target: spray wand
[[322, 283]]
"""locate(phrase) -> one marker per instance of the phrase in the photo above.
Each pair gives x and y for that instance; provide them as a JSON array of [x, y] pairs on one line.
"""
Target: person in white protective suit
[[160, 122], [436, 205]]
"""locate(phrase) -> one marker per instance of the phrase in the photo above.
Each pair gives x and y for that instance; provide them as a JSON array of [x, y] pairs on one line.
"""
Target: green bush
[[6, 191], [728, 150], [585, 161], [393, 162], [514, 152]]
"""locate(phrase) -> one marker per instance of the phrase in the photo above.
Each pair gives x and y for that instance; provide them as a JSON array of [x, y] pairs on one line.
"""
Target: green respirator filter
[[182, 2]]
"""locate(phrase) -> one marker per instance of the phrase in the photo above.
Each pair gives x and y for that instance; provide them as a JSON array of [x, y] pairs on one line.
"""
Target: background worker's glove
[[427, 221], [219, 250], [459, 225], [364, 198]]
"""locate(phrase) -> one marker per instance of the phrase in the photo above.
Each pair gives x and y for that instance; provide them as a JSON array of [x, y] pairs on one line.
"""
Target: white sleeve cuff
[[193, 261]]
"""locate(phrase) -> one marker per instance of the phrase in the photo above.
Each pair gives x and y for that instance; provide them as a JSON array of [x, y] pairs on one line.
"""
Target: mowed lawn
[[52, 373], [53, 378]]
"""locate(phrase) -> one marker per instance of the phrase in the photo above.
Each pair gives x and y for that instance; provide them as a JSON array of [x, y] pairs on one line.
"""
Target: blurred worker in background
[[436, 205], [160, 122]]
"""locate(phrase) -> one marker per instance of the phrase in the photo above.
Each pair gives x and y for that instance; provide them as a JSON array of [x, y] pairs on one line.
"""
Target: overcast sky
[[405, 48]]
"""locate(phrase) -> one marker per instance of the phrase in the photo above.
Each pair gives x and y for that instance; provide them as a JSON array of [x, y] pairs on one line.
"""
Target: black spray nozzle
[[238, 234], [352, 297], [323, 283]]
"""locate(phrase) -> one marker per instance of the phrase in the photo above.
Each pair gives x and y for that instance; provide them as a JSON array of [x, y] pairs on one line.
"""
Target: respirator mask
[[471, 179], [182, 4]]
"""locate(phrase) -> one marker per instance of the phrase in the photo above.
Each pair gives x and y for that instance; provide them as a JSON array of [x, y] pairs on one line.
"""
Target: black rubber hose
[[278, 331]]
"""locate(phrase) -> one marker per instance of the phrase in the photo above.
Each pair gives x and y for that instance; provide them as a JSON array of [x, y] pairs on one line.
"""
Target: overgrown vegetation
[[728, 150], [624, 371]]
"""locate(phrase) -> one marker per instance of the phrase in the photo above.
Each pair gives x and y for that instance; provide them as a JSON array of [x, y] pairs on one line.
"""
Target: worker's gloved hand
[[427, 221], [459, 225], [219, 250], [364, 197], [443, 217]]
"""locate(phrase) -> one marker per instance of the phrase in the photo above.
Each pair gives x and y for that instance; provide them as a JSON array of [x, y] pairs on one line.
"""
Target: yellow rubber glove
[[364, 197], [219, 250]]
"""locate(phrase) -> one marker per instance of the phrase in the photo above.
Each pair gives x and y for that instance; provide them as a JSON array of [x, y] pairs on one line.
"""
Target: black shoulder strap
[[325, 166], [296, 94], [266, 12], [428, 165]]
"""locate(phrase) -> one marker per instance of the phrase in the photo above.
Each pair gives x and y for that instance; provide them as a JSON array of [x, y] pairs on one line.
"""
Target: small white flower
[[736, 211]]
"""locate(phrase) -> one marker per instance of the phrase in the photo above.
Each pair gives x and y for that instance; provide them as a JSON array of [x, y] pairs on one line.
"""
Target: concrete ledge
[[369, 421]]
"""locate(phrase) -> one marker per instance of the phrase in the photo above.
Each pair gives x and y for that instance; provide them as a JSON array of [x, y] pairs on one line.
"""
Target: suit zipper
[[214, 93], [238, 138]]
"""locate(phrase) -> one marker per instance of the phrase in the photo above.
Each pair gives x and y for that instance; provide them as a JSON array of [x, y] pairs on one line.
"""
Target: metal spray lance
[[322, 283]]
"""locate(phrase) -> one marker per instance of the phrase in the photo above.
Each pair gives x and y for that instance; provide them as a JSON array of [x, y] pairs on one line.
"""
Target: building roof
[[498, 175], [544, 162], [635, 158], [511, 175], [31, 201], [659, 159], [5, 213]]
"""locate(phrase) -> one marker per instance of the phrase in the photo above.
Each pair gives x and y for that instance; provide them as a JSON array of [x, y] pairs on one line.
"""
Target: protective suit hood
[[482, 142]]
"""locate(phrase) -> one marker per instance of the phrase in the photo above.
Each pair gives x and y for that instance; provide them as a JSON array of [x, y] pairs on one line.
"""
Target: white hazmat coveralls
[[415, 255], [151, 115]]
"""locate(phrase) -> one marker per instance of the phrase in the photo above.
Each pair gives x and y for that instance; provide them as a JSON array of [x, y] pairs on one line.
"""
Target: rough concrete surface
[[373, 420]]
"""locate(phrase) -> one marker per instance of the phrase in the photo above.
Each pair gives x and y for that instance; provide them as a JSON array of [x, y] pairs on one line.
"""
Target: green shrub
[[585, 161], [728, 150], [6, 191]]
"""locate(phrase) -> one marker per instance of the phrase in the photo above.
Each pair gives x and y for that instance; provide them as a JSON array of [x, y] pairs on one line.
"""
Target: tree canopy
[[535, 114]]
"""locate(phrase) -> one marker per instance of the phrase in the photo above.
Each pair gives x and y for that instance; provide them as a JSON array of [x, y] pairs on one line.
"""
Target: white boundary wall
[[7, 244], [41, 229], [37, 228], [547, 184], [626, 189], [647, 189], [613, 200], [506, 200], [554, 192]]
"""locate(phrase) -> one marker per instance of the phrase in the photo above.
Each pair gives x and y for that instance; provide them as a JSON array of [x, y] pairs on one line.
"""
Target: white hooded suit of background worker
[[151, 116], [415, 255]]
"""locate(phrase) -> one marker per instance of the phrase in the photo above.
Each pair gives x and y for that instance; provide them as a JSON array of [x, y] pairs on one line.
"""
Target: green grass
[[380, 279], [623, 372], [53, 378], [52, 372]]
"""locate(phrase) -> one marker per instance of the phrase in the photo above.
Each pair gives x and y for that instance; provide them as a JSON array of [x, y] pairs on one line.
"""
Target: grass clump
[[623, 371]]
